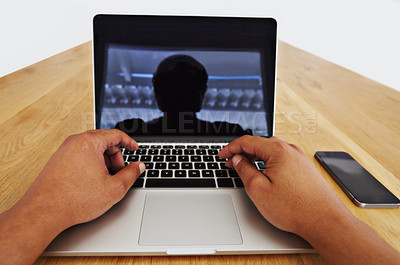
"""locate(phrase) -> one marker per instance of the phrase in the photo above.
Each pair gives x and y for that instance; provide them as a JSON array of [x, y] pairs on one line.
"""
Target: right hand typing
[[291, 194]]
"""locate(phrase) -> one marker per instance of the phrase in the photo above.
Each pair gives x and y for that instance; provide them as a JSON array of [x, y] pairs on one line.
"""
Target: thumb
[[129, 174], [247, 170]]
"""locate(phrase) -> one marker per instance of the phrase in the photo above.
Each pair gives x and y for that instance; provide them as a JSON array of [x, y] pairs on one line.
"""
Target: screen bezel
[[188, 32]]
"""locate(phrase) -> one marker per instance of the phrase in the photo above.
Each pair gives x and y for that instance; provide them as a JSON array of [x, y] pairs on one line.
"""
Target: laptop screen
[[183, 89]]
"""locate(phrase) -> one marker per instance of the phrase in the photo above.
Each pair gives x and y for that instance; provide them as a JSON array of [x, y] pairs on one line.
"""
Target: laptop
[[183, 87]]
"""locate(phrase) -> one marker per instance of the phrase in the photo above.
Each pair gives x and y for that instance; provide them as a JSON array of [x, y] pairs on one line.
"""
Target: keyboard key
[[215, 147], [222, 183], [133, 158], [223, 166], [160, 166], [165, 152], [158, 158], [203, 146], [128, 152], [179, 146], [183, 158], [168, 146], [200, 165], [145, 158], [217, 158], [207, 173], [141, 151], [194, 174], [153, 173], [170, 158], [212, 166], [238, 182], [166, 173], [221, 173], [195, 158], [138, 183], [187, 165], [156, 146], [152, 152], [177, 152], [201, 152], [180, 174], [188, 152], [191, 146], [233, 173], [149, 165], [173, 165], [180, 183], [208, 159], [261, 165], [212, 152], [142, 175], [144, 146]]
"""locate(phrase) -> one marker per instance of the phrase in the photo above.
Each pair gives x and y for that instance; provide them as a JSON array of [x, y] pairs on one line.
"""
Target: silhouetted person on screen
[[180, 83]]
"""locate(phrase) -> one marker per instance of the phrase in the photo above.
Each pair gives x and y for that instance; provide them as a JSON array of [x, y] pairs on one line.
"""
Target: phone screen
[[354, 179]]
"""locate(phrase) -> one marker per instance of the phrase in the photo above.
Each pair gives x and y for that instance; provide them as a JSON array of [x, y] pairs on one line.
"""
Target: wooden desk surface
[[320, 106]]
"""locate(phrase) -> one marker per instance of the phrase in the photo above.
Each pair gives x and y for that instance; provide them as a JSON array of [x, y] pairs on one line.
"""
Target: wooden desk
[[320, 106]]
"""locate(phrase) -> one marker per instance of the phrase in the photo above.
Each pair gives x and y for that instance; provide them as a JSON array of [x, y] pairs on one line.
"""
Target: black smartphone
[[359, 185]]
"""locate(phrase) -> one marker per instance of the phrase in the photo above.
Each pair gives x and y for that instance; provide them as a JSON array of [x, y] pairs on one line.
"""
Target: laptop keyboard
[[184, 166]]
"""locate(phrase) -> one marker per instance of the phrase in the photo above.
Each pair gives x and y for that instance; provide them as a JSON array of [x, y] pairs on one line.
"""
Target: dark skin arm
[[293, 196], [74, 187]]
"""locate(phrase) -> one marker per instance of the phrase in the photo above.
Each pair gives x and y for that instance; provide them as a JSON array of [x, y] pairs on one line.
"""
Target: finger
[[116, 159], [251, 158], [107, 160], [111, 150], [129, 174], [253, 145], [248, 172], [113, 137]]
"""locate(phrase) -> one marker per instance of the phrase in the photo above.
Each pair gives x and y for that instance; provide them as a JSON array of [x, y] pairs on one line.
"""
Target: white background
[[361, 35]]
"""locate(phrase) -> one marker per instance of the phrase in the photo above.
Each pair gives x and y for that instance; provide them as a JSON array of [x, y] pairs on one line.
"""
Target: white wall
[[361, 35]]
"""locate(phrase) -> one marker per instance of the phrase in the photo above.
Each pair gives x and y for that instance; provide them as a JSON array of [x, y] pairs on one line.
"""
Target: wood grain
[[184, 260], [320, 106]]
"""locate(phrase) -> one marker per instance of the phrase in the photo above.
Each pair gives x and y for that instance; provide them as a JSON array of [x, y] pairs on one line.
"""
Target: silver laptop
[[182, 87]]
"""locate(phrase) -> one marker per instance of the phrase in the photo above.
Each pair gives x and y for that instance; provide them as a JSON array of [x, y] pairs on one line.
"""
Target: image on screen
[[183, 92]]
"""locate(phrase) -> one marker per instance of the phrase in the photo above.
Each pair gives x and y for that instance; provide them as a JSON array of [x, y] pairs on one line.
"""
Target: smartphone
[[359, 185]]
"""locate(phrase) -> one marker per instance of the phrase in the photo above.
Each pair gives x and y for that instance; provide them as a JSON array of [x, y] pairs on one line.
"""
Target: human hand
[[290, 193], [75, 185]]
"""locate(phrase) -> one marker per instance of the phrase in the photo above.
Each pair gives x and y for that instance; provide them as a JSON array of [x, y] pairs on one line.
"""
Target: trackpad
[[176, 219]]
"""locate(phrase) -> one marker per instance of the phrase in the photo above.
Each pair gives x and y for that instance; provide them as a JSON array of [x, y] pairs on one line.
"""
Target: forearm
[[25, 232], [343, 239]]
